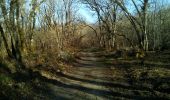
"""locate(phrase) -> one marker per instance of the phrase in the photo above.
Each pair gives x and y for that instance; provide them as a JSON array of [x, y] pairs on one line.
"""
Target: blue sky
[[91, 18], [87, 14]]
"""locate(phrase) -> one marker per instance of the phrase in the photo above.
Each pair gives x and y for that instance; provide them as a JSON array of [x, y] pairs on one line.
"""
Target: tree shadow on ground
[[107, 84], [39, 89], [111, 94], [101, 93]]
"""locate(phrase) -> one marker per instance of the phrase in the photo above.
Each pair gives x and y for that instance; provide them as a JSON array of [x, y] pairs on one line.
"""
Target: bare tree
[[139, 22], [12, 27], [106, 12]]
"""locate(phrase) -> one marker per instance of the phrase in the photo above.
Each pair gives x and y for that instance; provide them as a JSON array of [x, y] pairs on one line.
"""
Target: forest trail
[[92, 78], [88, 79]]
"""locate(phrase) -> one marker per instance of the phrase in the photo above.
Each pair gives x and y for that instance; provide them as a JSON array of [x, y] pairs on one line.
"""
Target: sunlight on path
[[91, 78], [87, 80]]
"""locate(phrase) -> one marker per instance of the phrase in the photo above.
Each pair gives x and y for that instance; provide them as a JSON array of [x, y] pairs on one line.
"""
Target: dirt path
[[87, 80], [91, 78]]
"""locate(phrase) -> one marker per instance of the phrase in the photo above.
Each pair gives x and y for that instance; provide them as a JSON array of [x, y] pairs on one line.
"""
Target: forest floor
[[93, 76]]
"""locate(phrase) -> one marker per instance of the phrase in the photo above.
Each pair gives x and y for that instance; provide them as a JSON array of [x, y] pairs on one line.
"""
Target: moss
[[5, 80], [6, 83], [158, 72]]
